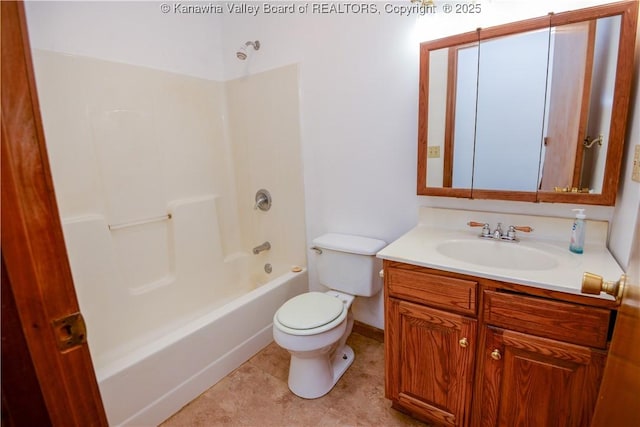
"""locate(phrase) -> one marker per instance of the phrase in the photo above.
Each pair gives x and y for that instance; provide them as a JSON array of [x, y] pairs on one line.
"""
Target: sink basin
[[497, 254]]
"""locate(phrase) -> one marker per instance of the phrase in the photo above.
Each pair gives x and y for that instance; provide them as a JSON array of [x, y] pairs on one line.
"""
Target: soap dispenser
[[577, 232]]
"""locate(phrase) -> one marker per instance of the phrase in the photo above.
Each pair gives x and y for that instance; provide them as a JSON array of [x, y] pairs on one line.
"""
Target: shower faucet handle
[[263, 200], [260, 201]]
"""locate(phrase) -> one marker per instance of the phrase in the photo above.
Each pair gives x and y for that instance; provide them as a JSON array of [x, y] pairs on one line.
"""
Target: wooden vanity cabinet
[[531, 381], [430, 362], [463, 351], [429, 345], [541, 363]]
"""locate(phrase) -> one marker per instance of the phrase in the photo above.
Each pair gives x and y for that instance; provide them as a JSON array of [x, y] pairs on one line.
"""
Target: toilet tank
[[348, 263]]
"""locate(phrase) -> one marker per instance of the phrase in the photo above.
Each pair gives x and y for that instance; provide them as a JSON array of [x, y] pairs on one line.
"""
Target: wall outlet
[[635, 173], [433, 152]]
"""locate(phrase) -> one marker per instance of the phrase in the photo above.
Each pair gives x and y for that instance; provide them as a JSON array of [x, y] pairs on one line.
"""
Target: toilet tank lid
[[349, 243]]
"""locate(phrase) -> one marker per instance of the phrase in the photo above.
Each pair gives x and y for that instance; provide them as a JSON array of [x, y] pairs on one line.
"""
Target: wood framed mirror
[[534, 110]]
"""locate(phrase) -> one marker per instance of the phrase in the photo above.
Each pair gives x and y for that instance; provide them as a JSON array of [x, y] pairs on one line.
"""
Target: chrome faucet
[[498, 234], [261, 248]]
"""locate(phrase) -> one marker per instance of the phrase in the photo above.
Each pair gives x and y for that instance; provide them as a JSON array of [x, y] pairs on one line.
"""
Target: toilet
[[313, 327]]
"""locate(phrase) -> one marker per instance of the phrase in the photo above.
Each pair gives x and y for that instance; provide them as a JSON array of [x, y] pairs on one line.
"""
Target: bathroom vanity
[[491, 331], [473, 340]]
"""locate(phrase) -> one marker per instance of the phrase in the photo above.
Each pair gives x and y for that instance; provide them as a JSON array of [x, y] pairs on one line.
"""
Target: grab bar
[[139, 222]]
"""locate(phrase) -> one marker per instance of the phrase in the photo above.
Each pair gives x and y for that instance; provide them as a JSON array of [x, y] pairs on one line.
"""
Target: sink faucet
[[498, 234], [260, 248]]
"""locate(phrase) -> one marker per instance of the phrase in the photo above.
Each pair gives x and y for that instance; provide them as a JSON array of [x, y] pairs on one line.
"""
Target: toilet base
[[341, 362], [311, 378]]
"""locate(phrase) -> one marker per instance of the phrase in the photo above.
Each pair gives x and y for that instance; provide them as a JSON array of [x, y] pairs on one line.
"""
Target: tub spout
[[263, 247]]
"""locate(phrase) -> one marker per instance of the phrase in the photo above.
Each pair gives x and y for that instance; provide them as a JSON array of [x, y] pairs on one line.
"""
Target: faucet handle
[[476, 224], [523, 228], [511, 233], [486, 231]]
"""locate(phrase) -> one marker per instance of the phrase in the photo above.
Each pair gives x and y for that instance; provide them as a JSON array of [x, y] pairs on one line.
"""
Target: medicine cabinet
[[534, 110]]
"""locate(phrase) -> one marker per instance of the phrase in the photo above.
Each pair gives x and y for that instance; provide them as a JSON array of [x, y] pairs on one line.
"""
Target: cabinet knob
[[464, 342], [495, 354]]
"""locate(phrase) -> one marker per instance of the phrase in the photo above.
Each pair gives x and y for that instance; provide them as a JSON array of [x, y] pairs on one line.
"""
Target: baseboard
[[368, 331]]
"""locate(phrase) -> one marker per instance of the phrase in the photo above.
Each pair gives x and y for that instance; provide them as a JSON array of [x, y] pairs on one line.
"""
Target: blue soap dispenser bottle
[[577, 232]]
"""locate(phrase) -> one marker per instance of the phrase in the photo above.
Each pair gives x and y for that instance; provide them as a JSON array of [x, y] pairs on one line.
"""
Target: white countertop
[[420, 247]]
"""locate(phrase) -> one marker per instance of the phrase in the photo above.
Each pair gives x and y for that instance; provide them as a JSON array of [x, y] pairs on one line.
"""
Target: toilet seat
[[310, 313]]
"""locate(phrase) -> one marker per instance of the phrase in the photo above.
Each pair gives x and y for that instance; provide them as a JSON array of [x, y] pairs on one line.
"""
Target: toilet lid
[[309, 310]]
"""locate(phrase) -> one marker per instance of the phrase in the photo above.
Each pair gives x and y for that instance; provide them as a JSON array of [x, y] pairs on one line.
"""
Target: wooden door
[[570, 71], [620, 390], [61, 381], [537, 382], [433, 359]]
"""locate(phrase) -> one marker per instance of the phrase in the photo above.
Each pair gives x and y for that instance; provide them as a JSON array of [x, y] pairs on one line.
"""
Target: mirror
[[451, 123], [533, 111], [582, 64], [512, 79]]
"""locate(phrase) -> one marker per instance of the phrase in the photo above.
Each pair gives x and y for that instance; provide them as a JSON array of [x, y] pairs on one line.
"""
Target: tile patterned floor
[[256, 394]]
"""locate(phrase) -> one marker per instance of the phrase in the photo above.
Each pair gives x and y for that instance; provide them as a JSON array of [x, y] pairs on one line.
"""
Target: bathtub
[[149, 385], [171, 306]]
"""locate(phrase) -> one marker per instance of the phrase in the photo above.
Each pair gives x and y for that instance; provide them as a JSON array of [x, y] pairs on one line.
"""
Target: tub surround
[[551, 235], [129, 143]]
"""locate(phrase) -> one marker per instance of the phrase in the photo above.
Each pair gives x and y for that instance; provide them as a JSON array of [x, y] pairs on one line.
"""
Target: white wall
[[627, 208], [358, 107], [132, 32]]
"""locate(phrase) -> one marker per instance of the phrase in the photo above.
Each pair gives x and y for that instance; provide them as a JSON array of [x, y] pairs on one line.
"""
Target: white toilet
[[314, 326]]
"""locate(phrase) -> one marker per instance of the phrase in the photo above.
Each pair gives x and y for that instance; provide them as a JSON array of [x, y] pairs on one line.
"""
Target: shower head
[[242, 52]]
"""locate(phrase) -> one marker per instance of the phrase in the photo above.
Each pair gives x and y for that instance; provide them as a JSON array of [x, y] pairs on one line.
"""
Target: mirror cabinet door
[[512, 76], [582, 65], [595, 140], [451, 121], [447, 116]]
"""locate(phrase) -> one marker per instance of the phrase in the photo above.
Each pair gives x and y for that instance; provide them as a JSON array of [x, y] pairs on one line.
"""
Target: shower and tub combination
[[179, 265]]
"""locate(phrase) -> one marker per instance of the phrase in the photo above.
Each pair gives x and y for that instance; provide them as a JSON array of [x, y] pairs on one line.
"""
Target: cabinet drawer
[[431, 289], [552, 319]]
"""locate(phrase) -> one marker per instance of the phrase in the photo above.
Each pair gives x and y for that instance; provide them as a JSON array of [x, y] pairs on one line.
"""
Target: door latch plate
[[70, 331]]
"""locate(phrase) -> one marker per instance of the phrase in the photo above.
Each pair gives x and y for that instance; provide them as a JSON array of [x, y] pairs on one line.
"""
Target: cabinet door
[[533, 381], [430, 357]]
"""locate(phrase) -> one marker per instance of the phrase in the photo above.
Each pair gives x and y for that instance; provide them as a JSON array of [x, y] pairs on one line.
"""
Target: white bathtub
[[149, 385]]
